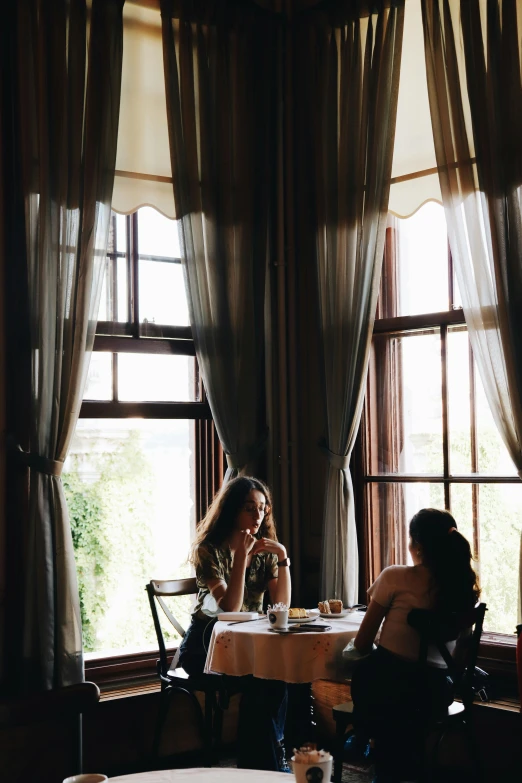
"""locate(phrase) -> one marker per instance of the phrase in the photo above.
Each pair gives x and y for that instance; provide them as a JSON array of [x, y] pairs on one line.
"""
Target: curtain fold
[[220, 87], [473, 63], [69, 88], [347, 69]]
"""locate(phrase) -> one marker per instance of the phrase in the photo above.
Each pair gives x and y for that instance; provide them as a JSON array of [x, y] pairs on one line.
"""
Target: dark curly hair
[[447, 555], [218, 523]]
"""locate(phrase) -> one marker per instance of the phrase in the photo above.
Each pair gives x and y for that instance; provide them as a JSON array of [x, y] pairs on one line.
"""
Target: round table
[[203, 775], [253, 648]]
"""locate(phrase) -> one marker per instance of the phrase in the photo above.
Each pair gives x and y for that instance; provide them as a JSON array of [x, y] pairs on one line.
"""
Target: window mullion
[[474, 455], [445, 412]]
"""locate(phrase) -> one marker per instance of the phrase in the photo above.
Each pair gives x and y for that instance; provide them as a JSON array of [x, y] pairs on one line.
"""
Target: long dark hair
[[218, 523], [447, 554]]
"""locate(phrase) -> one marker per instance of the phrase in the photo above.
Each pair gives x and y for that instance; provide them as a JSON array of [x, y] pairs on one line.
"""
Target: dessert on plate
[[297, 614], [332, 606]]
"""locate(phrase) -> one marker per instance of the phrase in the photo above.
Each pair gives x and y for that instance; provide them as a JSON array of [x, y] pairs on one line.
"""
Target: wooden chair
[[41, 733], [176, 680], [437, 631]]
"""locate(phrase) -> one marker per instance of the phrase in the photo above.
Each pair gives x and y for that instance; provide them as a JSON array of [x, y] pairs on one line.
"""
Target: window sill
[[124, 672]]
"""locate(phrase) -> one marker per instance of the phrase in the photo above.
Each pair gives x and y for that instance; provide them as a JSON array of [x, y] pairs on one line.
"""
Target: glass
[[459, 401], [422, 248], [99, 377], [493, 456], [157, 235], [121, 233], [461, 506], [105, 301], [500, 515], [405, 396], [163, 298], [392, 505], [122, 313], [129, 489], [156, 378]]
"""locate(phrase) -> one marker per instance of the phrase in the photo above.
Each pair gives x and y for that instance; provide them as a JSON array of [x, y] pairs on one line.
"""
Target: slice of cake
[[297, 614], [324, 607], [336, 606]]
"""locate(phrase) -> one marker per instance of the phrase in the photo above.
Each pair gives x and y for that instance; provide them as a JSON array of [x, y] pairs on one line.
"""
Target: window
[[430, 439], [144, 451]]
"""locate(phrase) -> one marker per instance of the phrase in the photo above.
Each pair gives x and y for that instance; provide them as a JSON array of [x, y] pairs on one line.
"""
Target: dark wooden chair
[[435, 630], [41, 733], [174, 679]]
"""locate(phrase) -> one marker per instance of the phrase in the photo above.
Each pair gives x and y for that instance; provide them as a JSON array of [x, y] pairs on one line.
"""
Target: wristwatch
[[283, 563]]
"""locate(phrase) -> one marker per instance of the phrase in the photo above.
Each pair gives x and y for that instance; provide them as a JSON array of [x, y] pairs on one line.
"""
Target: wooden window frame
[[130, 669], [497, 651]]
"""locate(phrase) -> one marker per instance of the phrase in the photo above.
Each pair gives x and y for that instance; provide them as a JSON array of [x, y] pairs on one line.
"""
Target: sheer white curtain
[[348, 75], [69, 80], [473, 62]]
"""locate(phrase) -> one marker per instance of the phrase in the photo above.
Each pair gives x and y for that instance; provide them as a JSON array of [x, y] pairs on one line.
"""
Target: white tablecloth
[[252, 648], [207, 775]]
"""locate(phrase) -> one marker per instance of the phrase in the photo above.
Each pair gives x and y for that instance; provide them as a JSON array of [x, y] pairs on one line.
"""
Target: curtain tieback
[[338, 461], [51, 467], [242, 457]]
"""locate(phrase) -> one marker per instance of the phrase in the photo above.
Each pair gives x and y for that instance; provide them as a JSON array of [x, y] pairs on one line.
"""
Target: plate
[[333, 616], [308, 619]]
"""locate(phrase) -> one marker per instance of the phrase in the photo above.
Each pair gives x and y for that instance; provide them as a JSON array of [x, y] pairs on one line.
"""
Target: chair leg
[[160, 720], [210, 704], [341, 724]]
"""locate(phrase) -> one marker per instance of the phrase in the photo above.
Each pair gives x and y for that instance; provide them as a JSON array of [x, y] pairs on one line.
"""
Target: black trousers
[[263, 706], [392, 698]]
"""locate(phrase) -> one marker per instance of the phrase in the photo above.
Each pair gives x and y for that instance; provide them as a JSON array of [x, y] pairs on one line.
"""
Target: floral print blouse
[[217, 564]]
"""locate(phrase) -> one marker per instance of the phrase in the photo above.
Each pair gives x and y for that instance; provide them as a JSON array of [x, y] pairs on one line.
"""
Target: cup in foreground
[[316, 772], [278, 618], [88, 777]]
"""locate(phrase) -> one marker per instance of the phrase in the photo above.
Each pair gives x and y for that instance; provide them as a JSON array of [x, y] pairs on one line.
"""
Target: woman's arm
[[370, 625], [230, 596], [279, 589]]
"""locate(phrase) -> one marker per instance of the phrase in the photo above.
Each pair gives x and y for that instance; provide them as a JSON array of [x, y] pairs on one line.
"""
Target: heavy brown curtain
[[473, 62], [347, 73], [220, 87], [69, 88]]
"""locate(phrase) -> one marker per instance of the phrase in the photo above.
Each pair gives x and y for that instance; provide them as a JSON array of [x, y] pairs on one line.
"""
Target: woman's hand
[[245, 544], [269, 545]]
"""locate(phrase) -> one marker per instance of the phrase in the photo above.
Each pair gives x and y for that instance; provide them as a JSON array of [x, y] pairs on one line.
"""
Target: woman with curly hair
[[237, 559]]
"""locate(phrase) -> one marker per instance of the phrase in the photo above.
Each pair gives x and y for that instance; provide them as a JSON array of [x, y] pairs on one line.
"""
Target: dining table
[[203, 775], [254, 648]]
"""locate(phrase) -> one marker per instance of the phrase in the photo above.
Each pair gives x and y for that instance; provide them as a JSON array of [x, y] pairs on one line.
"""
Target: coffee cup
[[278, 618], [314, 772], [88, 777]]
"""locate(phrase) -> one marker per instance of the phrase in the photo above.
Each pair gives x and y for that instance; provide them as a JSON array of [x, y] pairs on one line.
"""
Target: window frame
[[128, 669], [497, 650]]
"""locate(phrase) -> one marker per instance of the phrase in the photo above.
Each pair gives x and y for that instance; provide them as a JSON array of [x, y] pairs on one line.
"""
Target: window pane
[[423, 261], [405, 404], [157, 235], [459, 401], [128, 484], [121, 233], [461, 506], [391, 507], [123, 314], [500, 515], [99, 379], [163, 299], [156, 378], [105, 297], [493, 457]]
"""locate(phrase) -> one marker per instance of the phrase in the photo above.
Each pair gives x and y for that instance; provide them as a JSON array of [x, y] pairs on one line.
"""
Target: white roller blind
[[143, 172]]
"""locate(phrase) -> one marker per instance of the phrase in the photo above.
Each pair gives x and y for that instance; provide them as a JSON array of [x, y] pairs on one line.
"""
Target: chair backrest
[[50, 724], [438, 629], [157, 590]]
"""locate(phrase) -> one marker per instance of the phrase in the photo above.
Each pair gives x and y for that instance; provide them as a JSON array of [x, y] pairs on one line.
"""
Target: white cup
[[278, 618], [319, 772], [86, 778]]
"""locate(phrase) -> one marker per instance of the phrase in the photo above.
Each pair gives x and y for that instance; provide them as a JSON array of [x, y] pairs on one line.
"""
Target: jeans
[[262, 710]]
